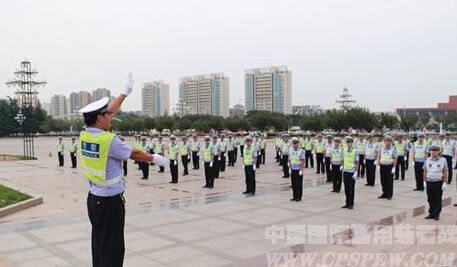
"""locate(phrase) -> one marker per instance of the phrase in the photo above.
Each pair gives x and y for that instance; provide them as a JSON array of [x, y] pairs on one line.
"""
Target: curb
[[34, 201]]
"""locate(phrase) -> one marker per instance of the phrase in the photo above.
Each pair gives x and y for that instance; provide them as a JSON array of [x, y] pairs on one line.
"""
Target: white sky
[[390, 53]]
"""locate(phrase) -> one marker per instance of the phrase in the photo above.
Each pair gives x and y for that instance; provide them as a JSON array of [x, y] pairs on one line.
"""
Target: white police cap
[[100, 106]]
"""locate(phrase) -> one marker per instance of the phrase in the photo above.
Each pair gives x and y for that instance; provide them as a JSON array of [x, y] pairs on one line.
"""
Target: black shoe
[[171, 182], [328, 181], [345, 206], [211, 186], [298, 200], [455, 205], [205, 186], [253, 193], [284, 176], [293, 199], [333, 191], [317, 173], [366, 184], [417, 189], [388, 198], [350, 207], [429, 217], [382, 196], [246, 192], [144, 178], [436, 218]]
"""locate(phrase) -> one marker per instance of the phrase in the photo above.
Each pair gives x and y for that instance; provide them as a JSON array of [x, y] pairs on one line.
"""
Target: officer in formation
[[263, 147], [350, 167], [216, 157], [60, 151], [360, 146], [144, 166], [159, 148], [257, 148], [241, 138], [73, 150], [419, 151], [237, 143], [124, 162], [173, 150], [278, 142], [195, 152], [285, 148], [448, 152], [371, 154], [308, 146], [337, 161], [249, 158], [185, 151], [320, 149], [222, 151], [388, 163], [208, 156], [328, 157], [101, 153], [401, 148], [435, 181], [296, 163], [231, 148]]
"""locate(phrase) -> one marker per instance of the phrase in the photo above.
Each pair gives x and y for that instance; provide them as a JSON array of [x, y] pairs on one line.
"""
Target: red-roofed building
[[441, 109]]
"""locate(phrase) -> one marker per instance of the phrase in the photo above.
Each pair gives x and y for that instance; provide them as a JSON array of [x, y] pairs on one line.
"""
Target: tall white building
[[100, 93], [78, 100], [269, 89], [58, 106], [206, 94], [156, 99]]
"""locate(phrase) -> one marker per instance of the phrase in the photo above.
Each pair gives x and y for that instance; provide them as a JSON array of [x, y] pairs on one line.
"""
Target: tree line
[[38, 121]]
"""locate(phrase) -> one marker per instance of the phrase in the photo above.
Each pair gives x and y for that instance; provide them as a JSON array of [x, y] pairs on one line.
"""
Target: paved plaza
[[186, 225]]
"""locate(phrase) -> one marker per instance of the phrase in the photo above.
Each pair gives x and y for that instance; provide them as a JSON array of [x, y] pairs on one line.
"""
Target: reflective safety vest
[[137, 145], [184, 149], [248, 155], [262, 144], [320, 146], [400, 147], [72, 148], [420, 151], [93, 155], [207, 153], [308, 145], [387, 156], [222, 146], [295, 156], [285, 147], [172, 151], [361, 147], [277, 142], [145, 148], [447, 148], [195, 146], [59, 147], [349, 159], [159, 148], [337, 155], [328, 149], [370, 150]]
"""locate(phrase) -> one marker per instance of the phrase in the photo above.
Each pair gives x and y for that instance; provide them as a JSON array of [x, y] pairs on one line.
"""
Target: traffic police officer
[[173, 151], [73, 149], [327, 158], [249, 160], [223, 149], [285, 147], [60, 149], [401, 147], [388, 161], [360, 146], [309, 146], [185, 150], [350, 167], [337, 160], [319, 148], [371, 154], [216, 157], [144, 166], [208, 156], [231, 148], [196, 153], [296, 163], [159, 148], [263, 147], [419, 150], [101, 153], [435, 180], [448, 146]]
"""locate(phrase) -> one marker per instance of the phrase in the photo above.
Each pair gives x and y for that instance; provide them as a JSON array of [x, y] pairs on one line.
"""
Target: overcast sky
[[390, 53]]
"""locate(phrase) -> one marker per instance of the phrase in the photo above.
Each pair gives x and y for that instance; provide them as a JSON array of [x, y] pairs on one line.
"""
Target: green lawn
[[10, 196], [19, 157]]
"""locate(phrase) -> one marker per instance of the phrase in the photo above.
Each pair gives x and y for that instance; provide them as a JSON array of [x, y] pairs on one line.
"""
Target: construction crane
[[345, 100]]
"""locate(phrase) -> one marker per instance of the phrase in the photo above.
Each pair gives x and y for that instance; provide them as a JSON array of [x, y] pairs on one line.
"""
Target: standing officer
[[222, 149], [360, 146], [401, 147], [285, 147], [236, 144], [420, 150], [160, 149], [124, 162], [448, 146], [196, 153], [263, 147], [309, 146], [60, 149], [101, 153], [278, 142], [144, 166], [73, 149], [257, 148], [388, 161], [327, 158], [371, 154], [350, 167], [435, 180], [185, 155], [249, 159], [241, 144], [296, 163], [231, 147], [173, 152], [216, 158], [319, 148], [337, 161], [208, 156]]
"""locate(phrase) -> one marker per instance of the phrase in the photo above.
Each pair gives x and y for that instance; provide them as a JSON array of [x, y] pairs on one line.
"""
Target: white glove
[[219, 158], [300, 173], [412, 163], [378, 168], [354, 176], [443, 186], [341, 167], [254, 167], [188, 157], [211, 164], [280, 156], [128, 86], [330, 167], [198, 154], [176, 162], [425, 185], [158, 159], [290, 170], [393, 170]]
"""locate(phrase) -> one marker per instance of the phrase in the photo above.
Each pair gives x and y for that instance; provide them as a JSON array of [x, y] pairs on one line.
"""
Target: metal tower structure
[[26, 85], [345, 100]]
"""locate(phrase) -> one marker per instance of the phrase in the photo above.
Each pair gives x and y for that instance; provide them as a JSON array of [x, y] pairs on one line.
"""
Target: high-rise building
[[237, 111], [100, 93], [76, 101], [58, 106], [156, 99], [269, 89], [206, 94]]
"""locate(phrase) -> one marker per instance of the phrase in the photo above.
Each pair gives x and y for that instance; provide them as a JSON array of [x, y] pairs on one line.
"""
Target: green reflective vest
[[172, 151], [349, 160], [159, 148], [184, 149], [295, 156], [248, 155], [308, 145], [207, 153], [93, 155], [400, 147], [387, 156], [72, 148], [195, 146], [59, 147], [320, 146]]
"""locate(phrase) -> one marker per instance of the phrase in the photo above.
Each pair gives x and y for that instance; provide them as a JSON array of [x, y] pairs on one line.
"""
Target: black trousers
[[327, 161], [371, 171], [297, 184], [449, 164], [320, 163], [400, 167], [278, 155], [336, 177], [235, 155], [209, 178], [309, 158], [60, 156], [241, 150], [349, 187], [406, 159], [222, 162], [124, 166], [215, 167], [73, 159], [419, 174], [161, 168], [262, 155], [174, 170], [387, 180], [185, 162], [250, 178], [259, 160], [231, 158], [144, 166], [107, 217], [434, 198], [195, 160], [285, 168], [361, 170]]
